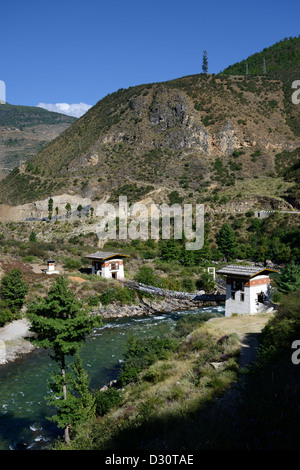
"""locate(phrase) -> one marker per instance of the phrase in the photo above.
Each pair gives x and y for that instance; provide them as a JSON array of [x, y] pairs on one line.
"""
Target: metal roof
[[249, 271], [106, 255]]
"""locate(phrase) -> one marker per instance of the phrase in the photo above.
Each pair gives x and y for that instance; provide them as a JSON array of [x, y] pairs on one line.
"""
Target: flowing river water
[[24, 383]]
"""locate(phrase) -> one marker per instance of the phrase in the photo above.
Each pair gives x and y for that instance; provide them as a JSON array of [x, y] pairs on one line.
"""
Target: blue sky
[[79, 51]]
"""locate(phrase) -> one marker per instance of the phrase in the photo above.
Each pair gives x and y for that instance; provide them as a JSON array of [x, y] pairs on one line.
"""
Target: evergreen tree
[[226, 241], [50, 208], [188, 257], [289, 279], [60, 324], [170, 251], [79, 209], [205, 62], [32, 237], [68, 209], [80, 403], [14, 289]]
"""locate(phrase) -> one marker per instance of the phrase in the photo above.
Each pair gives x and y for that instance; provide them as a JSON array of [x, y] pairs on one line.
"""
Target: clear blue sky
[[79, 51]]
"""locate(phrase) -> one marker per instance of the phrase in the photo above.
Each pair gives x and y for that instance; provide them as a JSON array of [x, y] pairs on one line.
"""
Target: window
[[238, 285], [242, 297], [114, 266]]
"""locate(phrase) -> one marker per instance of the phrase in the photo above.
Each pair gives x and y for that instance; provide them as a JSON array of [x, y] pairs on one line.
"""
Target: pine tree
[[60, 324], [68, 209], [205, 62], [32, 237], [79, 209], [14, 289], [79, 404], [226, 241], [170, 250], [50, 208]]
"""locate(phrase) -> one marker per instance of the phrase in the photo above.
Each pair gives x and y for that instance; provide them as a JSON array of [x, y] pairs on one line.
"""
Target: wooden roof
[[248, 271], [106, 255]]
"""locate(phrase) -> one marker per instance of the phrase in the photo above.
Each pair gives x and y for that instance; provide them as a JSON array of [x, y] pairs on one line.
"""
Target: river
[[24, 383]]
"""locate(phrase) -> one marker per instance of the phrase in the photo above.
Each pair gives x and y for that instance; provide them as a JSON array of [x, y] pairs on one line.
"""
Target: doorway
[[260, 297]]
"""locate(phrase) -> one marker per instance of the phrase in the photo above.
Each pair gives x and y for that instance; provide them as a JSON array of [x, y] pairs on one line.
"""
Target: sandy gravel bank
[[12, 340]]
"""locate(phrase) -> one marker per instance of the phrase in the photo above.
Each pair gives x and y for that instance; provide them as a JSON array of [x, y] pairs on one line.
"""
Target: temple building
[[247, 289], [109, 265]]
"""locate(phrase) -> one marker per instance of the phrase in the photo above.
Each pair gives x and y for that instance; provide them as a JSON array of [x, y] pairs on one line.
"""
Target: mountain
[[24, 130], [207, 138]]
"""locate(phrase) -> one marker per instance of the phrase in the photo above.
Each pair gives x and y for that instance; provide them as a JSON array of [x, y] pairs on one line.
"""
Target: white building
[[247, 289], [109, 265], [51, 267]]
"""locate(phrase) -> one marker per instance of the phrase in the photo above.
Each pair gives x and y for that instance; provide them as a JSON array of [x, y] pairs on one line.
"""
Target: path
[[247, 327]]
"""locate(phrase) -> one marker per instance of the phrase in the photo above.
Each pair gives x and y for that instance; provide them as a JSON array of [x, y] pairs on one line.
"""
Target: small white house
[[247, 289], [109, 265], [51, 267]]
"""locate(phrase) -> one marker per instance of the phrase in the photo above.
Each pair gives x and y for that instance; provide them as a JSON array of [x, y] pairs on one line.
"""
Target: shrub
[[30, 259], [175, 198], [71, 263], [146, 276], [188, 284], [125, 295], [289, 279], [140, 354], [6, 315], [107, 399], [153, 375], [205, 282], [93, 301]]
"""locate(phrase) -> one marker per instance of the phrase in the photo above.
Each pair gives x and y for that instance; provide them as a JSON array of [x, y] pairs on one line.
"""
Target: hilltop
[[25, 130], [207, 138], [282, 61]]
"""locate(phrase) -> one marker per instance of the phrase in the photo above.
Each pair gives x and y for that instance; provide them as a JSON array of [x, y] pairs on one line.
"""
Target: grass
[[257, 187]]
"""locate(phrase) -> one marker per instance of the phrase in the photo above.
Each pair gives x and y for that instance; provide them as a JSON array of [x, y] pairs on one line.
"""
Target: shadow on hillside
[[260, 412]]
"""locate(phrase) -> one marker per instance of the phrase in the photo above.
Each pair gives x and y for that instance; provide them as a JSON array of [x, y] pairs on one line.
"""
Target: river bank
[[12, 340]]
